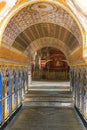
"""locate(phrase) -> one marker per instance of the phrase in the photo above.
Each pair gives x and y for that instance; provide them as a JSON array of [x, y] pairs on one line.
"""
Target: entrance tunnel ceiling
[[45, 30], [43, 42], [39, 22]]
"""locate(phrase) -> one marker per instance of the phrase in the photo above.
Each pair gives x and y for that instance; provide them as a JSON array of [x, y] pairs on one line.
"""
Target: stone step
[[48, 92], [47, 104], [57, 90], [48, 96], [38, 83], [48, 99], [49, 88]]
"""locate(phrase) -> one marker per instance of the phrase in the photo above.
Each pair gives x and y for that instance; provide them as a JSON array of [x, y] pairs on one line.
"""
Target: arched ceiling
[[46, 42], [45, 30], [42, 20], [39, 13]]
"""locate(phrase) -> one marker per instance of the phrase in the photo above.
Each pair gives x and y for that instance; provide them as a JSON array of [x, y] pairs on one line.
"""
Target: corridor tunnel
[[50, 64], [41, 40]]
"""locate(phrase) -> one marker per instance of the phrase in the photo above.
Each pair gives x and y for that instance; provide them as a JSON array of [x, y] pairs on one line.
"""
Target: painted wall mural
[[50, 64], [57, 60], [53, 59]]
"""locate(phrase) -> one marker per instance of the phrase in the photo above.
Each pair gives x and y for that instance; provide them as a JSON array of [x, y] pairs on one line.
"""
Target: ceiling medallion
[[42, 7]]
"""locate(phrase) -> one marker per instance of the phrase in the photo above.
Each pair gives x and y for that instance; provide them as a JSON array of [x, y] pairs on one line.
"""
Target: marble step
[[48, 88], [48, 93], [38, 83], [48, 99], [47, 104], [48, 96]]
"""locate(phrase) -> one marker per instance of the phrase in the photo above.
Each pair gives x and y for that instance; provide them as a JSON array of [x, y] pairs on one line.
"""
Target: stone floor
[[46, 117]]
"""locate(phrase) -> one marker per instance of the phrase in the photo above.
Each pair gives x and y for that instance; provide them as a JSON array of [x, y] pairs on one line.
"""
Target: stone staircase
[[48, 96]]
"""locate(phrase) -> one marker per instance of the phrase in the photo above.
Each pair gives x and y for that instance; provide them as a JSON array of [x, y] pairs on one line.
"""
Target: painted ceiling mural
[[6, 6], [37, 13], [41, 20], [43, 42]]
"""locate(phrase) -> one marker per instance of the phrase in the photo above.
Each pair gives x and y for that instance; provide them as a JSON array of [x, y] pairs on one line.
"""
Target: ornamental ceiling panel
[[37, 14], [46, 42], [41, 30]]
